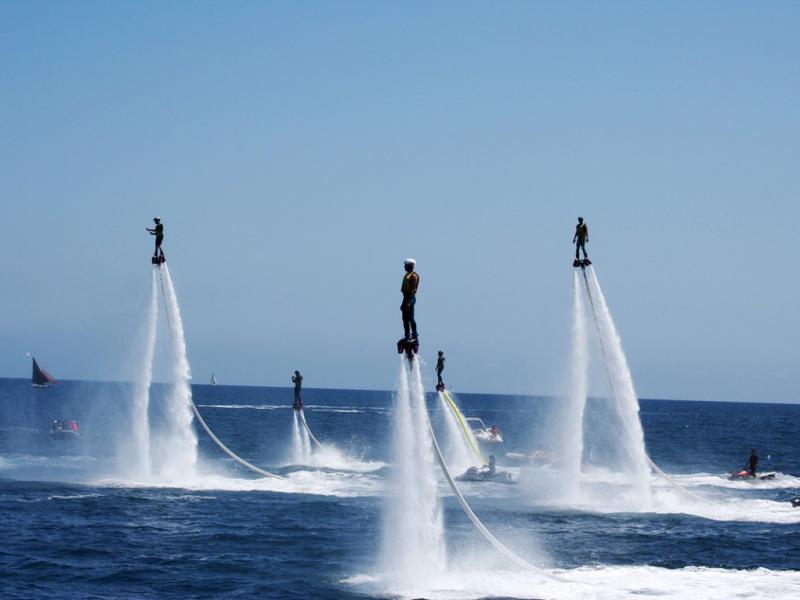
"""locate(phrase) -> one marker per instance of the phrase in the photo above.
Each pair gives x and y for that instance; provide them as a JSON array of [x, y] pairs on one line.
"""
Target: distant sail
[[213, 379], [40, 378]]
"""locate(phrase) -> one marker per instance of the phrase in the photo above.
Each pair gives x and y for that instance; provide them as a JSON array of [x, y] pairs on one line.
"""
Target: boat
[[40, 377], [213, 379], [484, 474], [483, 433]]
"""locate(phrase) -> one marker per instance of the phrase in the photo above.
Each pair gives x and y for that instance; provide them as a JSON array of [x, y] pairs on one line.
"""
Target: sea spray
[[413, 531], [626, 404], [178, 447], [137, 456], [301, 444], [570, 452]]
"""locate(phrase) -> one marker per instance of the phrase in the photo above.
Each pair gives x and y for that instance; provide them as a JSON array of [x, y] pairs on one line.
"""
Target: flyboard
[[586, 263], [444, 394], [158, 262]]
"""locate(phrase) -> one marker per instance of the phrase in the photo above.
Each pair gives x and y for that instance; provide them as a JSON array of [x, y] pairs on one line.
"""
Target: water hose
[[444, 394]]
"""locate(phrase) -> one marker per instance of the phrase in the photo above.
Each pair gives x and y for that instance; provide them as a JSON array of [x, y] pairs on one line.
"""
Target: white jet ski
[[483, 433]]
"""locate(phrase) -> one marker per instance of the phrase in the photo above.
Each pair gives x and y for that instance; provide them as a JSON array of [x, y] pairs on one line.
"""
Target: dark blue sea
[[77, 524]]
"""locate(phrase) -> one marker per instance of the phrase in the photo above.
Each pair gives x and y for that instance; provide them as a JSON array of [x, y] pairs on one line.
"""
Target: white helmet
[[410, 261]]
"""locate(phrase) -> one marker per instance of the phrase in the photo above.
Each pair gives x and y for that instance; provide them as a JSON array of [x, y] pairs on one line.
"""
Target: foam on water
[[600, 582], [318, 483]]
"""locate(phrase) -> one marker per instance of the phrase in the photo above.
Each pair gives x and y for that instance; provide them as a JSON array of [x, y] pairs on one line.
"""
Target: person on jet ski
[[297, 380], [491, 465], [439, 369], [752, 463], [581, 238], [409, 291]]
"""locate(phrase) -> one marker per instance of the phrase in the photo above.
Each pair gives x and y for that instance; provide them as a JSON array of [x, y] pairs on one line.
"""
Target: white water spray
[[301, 444], [138, 456], [570, 452], [179, 444], [626, 403], [413, 532]]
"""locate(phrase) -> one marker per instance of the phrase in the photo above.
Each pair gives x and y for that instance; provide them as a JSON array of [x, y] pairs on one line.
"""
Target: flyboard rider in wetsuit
[[439, 369], [409, 290], [581, 238], [297, 379], [157, 231]]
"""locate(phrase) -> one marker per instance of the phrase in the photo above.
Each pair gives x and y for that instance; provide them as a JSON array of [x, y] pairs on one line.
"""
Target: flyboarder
[[297, 380], [439, 369], [158, 231], [580, 239], [410, 341]]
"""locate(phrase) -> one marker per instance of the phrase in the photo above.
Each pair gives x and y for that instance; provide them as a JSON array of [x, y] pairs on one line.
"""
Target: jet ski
[[744, 475], [484, 474], [64, 430], [483, 433]]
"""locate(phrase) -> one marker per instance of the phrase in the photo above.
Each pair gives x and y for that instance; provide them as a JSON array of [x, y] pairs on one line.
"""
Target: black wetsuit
[[580, 239], [159, 233], [409, 290], [298, 384], [492, 469], [439, 369], [752, 464]]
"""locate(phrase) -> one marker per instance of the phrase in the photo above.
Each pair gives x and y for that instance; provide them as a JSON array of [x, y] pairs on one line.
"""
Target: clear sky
[[298, 151]]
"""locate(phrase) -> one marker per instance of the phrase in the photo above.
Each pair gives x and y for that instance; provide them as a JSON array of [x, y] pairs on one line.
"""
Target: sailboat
[[213, 379], [40, 377]]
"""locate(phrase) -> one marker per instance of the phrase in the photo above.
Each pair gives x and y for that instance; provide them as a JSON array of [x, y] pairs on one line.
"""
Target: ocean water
[[77, 524]]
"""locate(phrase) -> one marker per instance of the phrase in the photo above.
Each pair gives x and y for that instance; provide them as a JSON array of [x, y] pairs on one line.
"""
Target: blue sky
[[298, 151]]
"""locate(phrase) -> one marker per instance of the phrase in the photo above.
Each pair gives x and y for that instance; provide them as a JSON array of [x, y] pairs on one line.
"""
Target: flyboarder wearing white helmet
[[158, 231], [409, 290]]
